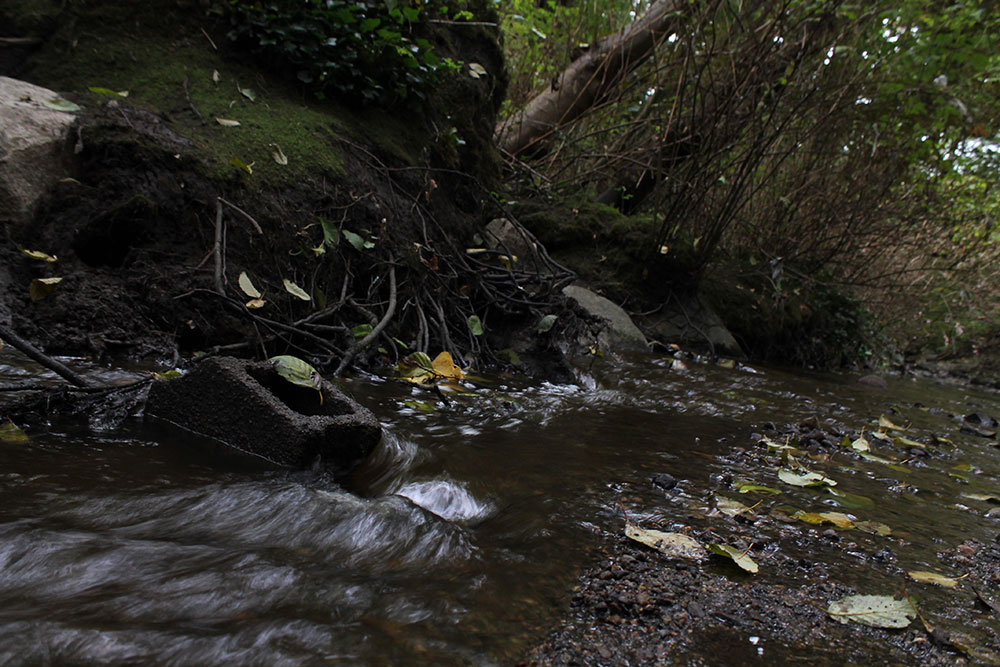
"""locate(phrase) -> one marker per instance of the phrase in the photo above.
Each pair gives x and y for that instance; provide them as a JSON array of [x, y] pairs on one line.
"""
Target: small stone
[[664, 480]]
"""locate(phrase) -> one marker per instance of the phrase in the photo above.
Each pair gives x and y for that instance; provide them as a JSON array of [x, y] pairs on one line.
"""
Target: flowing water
[[456, 543]]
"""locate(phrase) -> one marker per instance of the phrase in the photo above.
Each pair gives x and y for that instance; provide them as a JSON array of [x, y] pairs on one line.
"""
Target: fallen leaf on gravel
[[738, 556], [925, 577], [673, 545], [878, 611]]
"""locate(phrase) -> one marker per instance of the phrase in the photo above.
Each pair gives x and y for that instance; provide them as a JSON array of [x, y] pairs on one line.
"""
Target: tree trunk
[[587, 81]]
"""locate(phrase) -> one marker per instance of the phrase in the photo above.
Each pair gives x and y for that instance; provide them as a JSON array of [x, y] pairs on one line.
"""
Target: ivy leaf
[[331, 235], [356, 240]]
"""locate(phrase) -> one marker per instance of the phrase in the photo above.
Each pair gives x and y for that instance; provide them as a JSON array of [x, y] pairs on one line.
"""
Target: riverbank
[[638, 606]]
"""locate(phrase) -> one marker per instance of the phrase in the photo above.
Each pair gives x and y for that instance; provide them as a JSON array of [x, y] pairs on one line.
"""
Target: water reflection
[[455, 543]]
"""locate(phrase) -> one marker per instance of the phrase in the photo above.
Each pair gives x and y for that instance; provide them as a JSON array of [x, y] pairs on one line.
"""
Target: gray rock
[[249, 407], [512, 239], [690, 321], [621, 330], [35, 147]]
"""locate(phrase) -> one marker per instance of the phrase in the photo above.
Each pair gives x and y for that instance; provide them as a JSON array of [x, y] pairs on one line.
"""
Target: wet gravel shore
[[638, 606]]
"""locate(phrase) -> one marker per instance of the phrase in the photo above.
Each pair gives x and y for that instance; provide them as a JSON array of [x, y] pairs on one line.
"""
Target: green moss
[[124, 50], [29, 17]]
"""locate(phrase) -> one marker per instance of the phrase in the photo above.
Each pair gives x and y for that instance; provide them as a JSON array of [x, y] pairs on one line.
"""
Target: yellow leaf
[[445, 367]]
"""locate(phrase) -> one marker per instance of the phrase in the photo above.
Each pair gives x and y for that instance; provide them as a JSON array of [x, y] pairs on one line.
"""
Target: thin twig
[[191, 102], [53, 365], [217, 249], [245, 214], [374, 333], [208, 38]]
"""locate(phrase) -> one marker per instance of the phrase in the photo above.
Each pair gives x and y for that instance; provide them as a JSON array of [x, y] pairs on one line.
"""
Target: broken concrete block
[[249, 407]]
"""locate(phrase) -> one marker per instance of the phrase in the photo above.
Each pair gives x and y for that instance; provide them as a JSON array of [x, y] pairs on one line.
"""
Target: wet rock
[[875, 381], [690, 320], [514, 242], [249, 407], [620, 331], [982, 419], [36, 147], [664, 480]]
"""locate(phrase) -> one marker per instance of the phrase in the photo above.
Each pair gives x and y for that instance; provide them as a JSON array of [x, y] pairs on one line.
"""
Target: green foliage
[[366, 51]]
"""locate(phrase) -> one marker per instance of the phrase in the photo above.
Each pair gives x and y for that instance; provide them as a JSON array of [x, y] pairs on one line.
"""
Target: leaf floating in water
[[59, 104], [298, 372], [982, 496], [885, 422], [738, 556], [838, 519], [295, 290], [673, 545], [873, 528], [445, 367], [805, 478], [925, 577], [730, 507], [879, 611], [248, 287], [850, 500], [415, 367], [861, 444], [226, 122], [12, 433], [748, 487], [42, 287], [38, 254]]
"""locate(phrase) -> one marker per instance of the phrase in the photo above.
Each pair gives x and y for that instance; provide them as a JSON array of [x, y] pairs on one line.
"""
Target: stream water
[[456, 543]]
